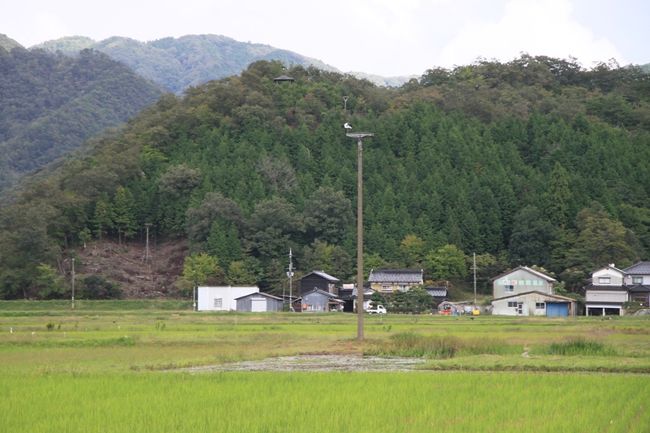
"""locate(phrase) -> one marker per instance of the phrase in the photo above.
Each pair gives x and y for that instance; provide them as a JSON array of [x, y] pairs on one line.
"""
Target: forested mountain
[[52, 103], [534, 162], [7, 43], [178, 63]]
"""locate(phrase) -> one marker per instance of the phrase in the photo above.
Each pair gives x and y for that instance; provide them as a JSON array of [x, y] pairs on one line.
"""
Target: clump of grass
[[413, 345], [410, 344], [580, 346]]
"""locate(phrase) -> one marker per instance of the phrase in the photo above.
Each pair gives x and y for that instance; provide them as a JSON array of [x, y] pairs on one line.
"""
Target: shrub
[[580, 346], [98, 287]]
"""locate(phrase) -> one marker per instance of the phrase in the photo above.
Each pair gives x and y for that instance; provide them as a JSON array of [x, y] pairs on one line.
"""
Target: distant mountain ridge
[[7, 43], [52, 103], [191, 60], [178, 63]]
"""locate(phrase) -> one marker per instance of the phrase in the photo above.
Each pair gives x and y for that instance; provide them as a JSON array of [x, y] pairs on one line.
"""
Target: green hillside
[[52, 103], [534, 162], [178, 63]]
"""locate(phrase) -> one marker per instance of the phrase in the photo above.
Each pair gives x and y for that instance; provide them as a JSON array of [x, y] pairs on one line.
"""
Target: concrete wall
[[521, 281], [222, 298]]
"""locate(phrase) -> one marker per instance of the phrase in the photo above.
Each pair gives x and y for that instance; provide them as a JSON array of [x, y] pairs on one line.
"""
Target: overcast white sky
[[386, 37]]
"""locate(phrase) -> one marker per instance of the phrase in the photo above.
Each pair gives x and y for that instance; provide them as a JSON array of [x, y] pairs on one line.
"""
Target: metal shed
[[259, 303]]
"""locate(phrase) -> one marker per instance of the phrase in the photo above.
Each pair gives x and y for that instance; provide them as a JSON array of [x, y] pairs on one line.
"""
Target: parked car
[[380, 309]]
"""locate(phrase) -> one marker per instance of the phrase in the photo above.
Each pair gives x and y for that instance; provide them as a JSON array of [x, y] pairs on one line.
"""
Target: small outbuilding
[[320, 301], [259, 303]]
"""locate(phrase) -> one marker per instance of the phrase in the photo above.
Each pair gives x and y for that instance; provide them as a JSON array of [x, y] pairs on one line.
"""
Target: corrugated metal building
[[259, 303]]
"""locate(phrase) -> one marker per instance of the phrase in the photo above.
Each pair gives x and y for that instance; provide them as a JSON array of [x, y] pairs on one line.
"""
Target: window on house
[[637, 280], [509, 288], [512, 304], [604, 280], [218, 302], [540, 305], [385, 288]]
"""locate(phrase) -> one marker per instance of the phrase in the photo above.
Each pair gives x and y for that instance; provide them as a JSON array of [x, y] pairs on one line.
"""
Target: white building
[[222, 298], [526, 292]]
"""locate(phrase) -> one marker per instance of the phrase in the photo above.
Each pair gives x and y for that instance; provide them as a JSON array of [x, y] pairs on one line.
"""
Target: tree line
[[522, 163]]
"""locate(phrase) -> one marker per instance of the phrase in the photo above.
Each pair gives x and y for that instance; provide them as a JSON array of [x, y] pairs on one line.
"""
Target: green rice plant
[[580, 346], [410, 344]]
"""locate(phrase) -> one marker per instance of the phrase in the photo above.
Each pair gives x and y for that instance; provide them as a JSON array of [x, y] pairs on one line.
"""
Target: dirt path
[[317, 363]]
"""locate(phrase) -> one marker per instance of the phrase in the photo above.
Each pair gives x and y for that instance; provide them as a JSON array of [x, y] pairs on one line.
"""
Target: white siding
[[607, 277], [209, 297], [520, 281], [618, 296]]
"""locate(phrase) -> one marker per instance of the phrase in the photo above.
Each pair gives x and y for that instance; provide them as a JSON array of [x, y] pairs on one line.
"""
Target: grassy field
[[110, 367]]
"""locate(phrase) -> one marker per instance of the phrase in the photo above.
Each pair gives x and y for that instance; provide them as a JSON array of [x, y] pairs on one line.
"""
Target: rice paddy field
[[156, 367]]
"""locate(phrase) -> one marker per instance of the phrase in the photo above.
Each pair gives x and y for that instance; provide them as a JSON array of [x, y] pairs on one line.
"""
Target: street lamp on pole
[[359, 136]]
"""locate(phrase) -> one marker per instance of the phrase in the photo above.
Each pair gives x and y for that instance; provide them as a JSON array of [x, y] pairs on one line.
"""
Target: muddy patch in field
[[317, 363]]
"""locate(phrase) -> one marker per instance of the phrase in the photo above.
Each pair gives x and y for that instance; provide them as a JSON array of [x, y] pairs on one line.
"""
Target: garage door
[[557, 309], [258, 305]]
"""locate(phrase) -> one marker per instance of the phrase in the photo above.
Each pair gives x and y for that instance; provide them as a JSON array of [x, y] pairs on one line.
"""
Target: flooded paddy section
[[316, 363]]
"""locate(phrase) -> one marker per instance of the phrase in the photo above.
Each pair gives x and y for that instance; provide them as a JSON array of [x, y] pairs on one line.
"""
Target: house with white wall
[[222, 298], [611, 288], [524, 291]]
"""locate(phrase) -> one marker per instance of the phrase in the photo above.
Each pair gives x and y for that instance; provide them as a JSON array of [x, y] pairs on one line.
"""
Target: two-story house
[[612, 287], [526, 292], [395, 280], [319, 280]]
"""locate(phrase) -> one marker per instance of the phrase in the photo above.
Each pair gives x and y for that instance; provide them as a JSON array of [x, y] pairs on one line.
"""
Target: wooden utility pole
[[73, 276], [359, 136]]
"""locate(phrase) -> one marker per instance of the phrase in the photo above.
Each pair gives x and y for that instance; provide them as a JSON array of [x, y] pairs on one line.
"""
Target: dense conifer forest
[[536, 161]]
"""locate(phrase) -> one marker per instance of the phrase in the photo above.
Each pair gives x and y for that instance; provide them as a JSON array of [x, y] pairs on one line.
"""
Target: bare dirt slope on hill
[[125, 264]]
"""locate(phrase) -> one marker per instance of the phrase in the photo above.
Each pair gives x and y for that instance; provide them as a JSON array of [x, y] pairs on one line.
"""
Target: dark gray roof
[[324, 275], [641, 268], [395, 276], [321, 292], [618, 288], [266, 295], [639, 288], [366, 291], [437, 291]]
